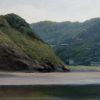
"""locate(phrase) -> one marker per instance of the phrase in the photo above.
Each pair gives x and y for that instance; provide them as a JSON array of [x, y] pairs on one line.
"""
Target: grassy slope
[[35, 48], [85, 67]]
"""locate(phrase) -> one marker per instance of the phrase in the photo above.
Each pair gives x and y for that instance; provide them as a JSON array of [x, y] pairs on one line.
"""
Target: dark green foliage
[[16, 21], [20, 24]]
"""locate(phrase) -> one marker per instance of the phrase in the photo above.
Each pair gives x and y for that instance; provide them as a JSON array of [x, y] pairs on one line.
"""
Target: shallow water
[[50, 92]]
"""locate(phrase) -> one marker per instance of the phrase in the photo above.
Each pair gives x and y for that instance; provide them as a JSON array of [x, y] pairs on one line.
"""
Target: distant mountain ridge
[[21, 48], [83, 47], [59, 32]]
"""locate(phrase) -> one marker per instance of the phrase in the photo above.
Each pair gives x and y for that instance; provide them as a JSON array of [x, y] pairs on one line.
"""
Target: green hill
[[22, 49]]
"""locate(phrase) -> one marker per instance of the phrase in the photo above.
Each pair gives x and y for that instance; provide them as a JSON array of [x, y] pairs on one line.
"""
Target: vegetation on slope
[[22, 49]]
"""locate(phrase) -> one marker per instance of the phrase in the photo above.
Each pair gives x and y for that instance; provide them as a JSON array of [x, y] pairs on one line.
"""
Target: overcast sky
[[54, 10]]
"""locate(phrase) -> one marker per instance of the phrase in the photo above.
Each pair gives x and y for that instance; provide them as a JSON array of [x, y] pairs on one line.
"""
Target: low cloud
[[55, 10]]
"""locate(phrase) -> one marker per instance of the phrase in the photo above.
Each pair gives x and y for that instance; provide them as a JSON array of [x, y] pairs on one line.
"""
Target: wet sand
[[71, 78]]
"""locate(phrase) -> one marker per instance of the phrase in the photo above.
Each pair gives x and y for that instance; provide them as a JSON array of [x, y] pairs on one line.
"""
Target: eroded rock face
[[11, 58]]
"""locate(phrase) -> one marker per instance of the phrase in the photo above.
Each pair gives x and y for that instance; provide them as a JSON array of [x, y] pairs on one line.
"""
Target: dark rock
[[12, 59]]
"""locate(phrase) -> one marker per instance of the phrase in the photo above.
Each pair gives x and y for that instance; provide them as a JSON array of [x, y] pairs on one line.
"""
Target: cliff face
[[22, 49]]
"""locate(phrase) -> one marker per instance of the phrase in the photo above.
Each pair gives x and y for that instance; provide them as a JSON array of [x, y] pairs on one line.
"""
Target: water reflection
[[34, 98], [50, 92], [47, 98]]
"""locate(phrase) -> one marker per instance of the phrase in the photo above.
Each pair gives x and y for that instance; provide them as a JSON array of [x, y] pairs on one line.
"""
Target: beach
[[71, 78]]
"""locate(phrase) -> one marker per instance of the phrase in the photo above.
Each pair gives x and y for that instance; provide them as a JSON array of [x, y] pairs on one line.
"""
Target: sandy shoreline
[[72, 78]]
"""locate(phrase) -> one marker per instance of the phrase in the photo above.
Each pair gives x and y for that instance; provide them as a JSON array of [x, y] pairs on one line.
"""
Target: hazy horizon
[[52, 10]]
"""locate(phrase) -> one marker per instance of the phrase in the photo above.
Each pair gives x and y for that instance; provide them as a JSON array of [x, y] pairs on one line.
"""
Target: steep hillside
[[60, 32], [22, 49]]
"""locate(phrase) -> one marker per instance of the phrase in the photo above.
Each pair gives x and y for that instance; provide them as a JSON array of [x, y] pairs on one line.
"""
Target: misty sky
[[54, 10]]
